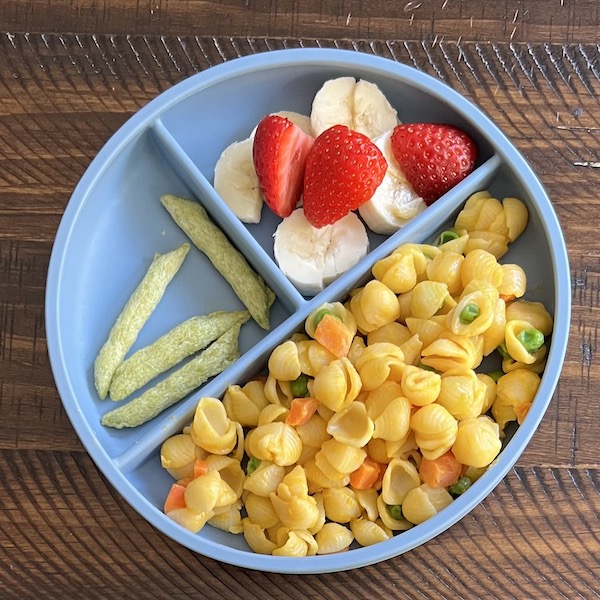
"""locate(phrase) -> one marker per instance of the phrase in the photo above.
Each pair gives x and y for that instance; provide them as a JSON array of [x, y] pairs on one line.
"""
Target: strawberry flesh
[[434, 157], [279, 153], [343, 170]]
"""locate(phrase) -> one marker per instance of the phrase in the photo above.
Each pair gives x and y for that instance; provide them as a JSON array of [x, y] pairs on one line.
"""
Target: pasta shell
[[516, 388], [428, 330], [260, 510], [284, 362], [265, 479], [373, 306], [477, 442], [256, 538], [394, 524], [318, 496], [468, 216], [243, 404], [515, 348], [400, 477], [273, 413], [481, 265], [314, 431], [368, 502], [367, 532], [337, 384], [229, 520], [420, 386], [514, 281], [191, 520], [341, 457], [275, 442], [317, 480], [435, 430], [445, 268], [297, 545], [203, 493], [534, 313], [177, 451], [516, 217], [298, 512], [352, 425], [212, 429], [393, 422], [451, 351], [393, 333], [333, 537], [425, 502], [462, 394], [379, 362], [427, 298], [341, 504]]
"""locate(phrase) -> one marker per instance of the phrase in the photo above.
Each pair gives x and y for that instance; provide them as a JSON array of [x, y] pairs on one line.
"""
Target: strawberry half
[[343, 170], [279, 153], [434, 157]]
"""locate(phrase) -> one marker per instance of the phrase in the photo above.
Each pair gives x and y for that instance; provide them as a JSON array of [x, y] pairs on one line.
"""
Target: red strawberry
[[434, 157], [343, 170], [279, 153]]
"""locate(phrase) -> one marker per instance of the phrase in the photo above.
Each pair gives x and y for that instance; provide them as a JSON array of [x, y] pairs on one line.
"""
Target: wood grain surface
[[72, 72]]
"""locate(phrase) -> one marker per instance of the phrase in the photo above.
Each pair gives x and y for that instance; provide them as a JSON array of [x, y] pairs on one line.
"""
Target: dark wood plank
[[554, 21]]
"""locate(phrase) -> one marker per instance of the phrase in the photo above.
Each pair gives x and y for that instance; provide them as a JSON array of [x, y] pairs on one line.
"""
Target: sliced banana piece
[[394, 202], [360, 105], [312, 258], [302, 121], [236, 181]]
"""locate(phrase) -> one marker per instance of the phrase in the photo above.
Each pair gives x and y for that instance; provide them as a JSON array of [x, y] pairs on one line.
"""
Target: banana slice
[[236, 181], [360, 105], [394, 202], [312, 258]]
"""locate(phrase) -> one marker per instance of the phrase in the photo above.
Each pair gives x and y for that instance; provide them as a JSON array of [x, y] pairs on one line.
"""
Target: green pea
[[321, 313], [299, 387], [395, 511], [495, 375], [469, 313], [531, 339], [252, 465], [446, 236], [461, 486], [503, 350]]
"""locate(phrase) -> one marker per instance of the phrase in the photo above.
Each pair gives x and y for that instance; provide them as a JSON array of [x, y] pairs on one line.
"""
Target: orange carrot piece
[[379, 481], [200, 467], [301, 410], [440, 472], [366, 475], [333, 335], [175, 498]]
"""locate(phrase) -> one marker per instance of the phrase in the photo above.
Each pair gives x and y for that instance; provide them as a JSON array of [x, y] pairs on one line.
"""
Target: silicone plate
[[114, 224]]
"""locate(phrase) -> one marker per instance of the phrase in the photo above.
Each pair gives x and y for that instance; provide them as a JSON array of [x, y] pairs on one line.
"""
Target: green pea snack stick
[[250, 287], [182, 341], [210, 362], [136, 312]]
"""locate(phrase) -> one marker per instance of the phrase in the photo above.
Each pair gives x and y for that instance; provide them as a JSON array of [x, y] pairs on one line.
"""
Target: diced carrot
[[379, 481], [332, 334], [200, 467], [440, 472], [175, 498], [366, 475], [301, 410]]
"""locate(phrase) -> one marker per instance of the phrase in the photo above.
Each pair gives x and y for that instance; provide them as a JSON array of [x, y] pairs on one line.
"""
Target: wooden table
[[71, 72]]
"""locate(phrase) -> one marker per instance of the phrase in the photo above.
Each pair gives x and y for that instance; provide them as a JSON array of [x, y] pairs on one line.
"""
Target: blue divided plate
[[114, 224]]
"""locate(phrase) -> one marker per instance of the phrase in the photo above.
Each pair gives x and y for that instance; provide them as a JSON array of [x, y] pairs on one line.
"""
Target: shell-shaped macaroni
[[338, 310], [400, 477], [368, 502], [318, 496], [435, 430], [278, 391], [532, 312], [420, 386], [412, 350], [446, 268], [390, 522], [468, 217], [427, 298], [313, 357], [337, 384], [275, 442], [377, 450], [341, 504], [462, 394], [337, 457], [229, 520], [298, 544], [378, 363], [494, 334], [264, 479], [538, 366], [482, 266], [425, 502], [484, 298], [212, 429], [333, 537], [367, 532], [273, 413], [230, 470], [393, 333], [491, 218], [293, 484], [178, 451], [373, 306], [516, 216], [205, 492], [351, 425], [516, 388], [477, 441], [404, 448], [297, 512], [392, 421], [428, 330], [404, 306], [256, 538], [284, 363], [191, 520], [356, 349], [314, 431], [514, 281], [400, 270], [494, 243], [317, 480], [243, 404], [456, 245], [308, 453], [451, 351], [515, 348], [260, 510], [490, 391]]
